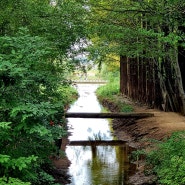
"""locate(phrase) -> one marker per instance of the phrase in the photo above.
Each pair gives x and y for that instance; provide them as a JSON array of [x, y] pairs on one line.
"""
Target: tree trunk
[[123, 75], [179, 81], [128, 78]]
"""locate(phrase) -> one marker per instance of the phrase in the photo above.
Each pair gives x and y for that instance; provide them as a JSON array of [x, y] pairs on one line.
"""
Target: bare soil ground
[[140, 133], [161, 126], [61, 165]]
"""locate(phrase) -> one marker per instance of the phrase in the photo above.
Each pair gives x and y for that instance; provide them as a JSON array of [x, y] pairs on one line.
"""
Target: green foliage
[[137, 153], [69, 93], [151, 32], [125, 107], [13, 181], [168, 160], [108, 90], [130, 27], [61, 24], [33, 91], [19, 163], [45, 178], [35, 39], [112, 87]]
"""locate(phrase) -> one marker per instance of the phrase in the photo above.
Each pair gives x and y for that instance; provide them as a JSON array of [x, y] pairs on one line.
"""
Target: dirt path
[[140, 133], [162, 125], [164, 122]]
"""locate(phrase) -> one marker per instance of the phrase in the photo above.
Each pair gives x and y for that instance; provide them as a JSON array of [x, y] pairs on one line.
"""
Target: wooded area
[[36, 38], [149, 37], [38, 44]]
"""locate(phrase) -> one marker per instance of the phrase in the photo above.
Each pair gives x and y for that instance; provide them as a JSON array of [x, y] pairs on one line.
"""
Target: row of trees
[[35, 41], [149, 37]]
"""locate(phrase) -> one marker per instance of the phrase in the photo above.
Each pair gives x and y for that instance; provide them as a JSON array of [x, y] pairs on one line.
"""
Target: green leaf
[[12, 181], [4, 159], [5, 125], [41, 130]]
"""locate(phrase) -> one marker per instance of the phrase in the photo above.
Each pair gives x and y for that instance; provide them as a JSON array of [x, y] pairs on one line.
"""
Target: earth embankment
[[142, 132], [158, 127]]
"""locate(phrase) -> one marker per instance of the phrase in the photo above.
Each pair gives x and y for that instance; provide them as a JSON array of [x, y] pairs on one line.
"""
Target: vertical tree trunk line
[[154, 86], [123, 76], [179, 82], [159, 81], [138, 81]]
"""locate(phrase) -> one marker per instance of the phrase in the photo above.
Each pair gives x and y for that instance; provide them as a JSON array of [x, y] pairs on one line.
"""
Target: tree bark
[[179, 81], [123, 75]]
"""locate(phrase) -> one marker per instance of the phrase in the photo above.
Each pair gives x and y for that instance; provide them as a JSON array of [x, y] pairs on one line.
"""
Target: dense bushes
[[34, 93], [108, 90], [36, 39], [168, 160]]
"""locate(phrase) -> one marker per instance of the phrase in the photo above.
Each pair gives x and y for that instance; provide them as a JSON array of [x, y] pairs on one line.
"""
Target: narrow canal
[[95, 164]]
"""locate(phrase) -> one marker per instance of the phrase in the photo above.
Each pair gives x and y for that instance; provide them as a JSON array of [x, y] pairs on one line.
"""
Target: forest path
[[161, 126], [143, 131], [165, 123]]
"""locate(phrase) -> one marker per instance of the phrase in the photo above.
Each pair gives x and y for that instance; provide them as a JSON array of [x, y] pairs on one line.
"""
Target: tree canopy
[[150, 35]]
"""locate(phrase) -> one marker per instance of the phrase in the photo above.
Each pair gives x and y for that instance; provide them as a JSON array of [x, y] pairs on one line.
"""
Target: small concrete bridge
[[89, 81], [108, 115]]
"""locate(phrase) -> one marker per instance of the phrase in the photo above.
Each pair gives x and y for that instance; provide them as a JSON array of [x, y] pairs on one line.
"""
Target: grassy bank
[[167, 159], [110, 97]]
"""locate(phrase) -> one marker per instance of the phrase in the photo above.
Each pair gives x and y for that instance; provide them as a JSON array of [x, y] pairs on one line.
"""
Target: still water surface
[[94, 165]]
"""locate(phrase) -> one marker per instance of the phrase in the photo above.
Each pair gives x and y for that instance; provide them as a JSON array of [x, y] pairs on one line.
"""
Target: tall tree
[[149, 34]]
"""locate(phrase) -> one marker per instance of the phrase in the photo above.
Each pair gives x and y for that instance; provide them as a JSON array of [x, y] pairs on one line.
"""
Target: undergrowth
[[110, 93], [168, 160]]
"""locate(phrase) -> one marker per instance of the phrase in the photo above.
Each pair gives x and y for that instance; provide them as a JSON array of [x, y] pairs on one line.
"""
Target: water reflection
[[94, 165], [105, 166], [100, 165], [83, 129]]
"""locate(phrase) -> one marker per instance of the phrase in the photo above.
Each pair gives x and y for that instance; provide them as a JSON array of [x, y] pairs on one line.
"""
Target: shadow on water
[[96, 158]]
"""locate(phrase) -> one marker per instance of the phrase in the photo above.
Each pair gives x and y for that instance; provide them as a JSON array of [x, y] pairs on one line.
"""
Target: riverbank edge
[[61, 163], [141, 133], [122, 130]]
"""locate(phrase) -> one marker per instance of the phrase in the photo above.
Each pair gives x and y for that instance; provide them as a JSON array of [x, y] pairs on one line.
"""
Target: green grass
[[110, 92], [126, 108]]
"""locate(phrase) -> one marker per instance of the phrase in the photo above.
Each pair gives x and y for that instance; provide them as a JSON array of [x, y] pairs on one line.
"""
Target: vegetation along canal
[[97, 163]]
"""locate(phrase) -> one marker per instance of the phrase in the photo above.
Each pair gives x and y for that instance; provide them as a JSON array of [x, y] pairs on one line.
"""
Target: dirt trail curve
[[139, 134], [162, 125]]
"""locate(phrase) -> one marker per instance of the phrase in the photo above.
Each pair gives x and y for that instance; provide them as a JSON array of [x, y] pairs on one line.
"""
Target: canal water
[[94, 165]]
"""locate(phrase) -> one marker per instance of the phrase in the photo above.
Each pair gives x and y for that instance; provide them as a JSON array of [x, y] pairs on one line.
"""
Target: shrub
[[168, 160], [12, 181], [33, 92], [110, 92]]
